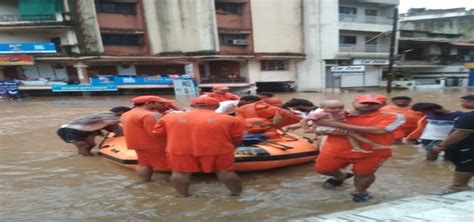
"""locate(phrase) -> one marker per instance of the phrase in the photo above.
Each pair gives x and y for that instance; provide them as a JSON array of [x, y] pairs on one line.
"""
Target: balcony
[[16, 19], [364, 48], [381, 20]]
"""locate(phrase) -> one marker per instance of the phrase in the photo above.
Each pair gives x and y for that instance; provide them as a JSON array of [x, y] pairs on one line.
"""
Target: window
[[116, 7], [371, 12], [231, 8], [347, 39], [348, 10], [228, 39], [274, 65], [122, 39]]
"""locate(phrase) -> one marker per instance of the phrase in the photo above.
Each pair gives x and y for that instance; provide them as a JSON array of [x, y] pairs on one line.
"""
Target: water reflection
[[41, 178]]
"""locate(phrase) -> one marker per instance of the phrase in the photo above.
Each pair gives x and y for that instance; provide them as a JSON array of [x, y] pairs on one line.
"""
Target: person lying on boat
[[82, 131], [259, 109], [258, 130]]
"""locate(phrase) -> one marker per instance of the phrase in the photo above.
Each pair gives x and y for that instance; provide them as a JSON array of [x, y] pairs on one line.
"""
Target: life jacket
[[259, 130], [278, 116], [257, 125]]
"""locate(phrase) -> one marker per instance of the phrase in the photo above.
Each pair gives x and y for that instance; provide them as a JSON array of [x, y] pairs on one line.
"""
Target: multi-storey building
[[345, 33], [229, 41], [35, 37], [435, 44], [238, 42]]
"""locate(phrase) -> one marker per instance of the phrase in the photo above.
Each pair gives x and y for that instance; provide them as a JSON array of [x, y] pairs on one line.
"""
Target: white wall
[[382, 10], [277, 26], [257, 75], [328, 17], [181, 25], [321, 39]]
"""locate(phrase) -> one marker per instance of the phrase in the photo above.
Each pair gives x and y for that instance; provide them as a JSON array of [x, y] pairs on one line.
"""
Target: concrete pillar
[[82, 73], [2, 74]]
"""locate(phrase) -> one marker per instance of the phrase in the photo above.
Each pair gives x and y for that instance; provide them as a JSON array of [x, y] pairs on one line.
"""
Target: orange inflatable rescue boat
[[287, 150]]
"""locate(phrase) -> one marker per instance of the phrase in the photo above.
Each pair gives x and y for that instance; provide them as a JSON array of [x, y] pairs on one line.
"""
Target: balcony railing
[[364, 48], [365, 19], [19, 19]]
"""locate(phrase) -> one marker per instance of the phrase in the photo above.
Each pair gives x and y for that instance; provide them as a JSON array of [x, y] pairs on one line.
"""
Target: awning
[[116, 59]]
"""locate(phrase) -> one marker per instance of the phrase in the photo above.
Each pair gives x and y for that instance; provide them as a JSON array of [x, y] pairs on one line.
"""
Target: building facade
[[237, 42], [435, 44], [35, 36], [345, 33]]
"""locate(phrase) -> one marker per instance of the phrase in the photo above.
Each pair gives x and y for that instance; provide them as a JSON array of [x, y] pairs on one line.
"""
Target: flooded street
[[43, 179]]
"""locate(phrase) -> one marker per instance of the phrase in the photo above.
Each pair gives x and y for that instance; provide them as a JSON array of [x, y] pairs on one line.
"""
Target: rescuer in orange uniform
[[337, 153], [201, 140], [137, 125], [221, 93], [401, 104]]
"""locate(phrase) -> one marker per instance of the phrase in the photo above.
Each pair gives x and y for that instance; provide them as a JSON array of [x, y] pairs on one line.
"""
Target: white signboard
[[348, 70], [370, 62], [188, 68], [185, 87]]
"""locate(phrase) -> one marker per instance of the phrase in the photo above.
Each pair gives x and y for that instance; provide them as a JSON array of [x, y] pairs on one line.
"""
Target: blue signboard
[[41, 47], [83, 88], [9, 88]]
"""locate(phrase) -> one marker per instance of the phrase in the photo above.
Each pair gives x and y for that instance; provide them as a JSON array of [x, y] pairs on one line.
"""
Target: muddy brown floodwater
[[43, 179]]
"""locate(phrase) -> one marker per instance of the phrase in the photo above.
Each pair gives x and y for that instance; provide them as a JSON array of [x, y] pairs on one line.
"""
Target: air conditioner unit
[[240, 42]]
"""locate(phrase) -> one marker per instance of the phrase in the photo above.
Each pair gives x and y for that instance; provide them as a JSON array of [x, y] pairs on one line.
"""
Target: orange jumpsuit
[[137, 126], [336, 152], [200, 140]]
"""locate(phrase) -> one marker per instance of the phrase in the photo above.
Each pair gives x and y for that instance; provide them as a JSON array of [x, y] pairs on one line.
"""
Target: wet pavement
[[43, 179]]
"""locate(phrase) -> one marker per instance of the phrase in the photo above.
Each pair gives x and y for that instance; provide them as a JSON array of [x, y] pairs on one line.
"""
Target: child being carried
[[333, 109]]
